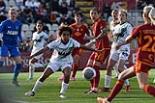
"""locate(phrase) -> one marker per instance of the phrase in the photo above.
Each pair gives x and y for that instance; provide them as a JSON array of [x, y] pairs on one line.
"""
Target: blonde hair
[[124, 11], [147, 9], [152, 15]]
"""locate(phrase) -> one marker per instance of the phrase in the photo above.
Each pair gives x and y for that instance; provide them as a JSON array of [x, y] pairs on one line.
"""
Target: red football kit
[[96, 59], [145, 56]]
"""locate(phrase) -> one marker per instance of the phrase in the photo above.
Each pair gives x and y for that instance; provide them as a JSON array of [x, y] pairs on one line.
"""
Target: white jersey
[[120, 32], [63, 51], [39, 40]]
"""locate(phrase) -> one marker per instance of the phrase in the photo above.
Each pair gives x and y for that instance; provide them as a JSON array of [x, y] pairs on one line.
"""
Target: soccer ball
[[89, 73]]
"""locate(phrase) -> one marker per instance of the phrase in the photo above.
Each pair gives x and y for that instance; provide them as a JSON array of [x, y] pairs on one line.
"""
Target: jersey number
[[150, 45]]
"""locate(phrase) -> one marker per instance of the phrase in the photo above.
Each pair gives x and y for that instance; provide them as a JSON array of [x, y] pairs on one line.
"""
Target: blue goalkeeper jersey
[[11, 31]]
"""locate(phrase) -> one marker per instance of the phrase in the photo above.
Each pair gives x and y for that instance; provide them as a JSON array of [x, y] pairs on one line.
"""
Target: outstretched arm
[[39, 52], [103, 32], [87, 48]]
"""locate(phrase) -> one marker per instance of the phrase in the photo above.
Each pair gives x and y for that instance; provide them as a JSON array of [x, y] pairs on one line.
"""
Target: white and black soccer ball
[[89, 73]]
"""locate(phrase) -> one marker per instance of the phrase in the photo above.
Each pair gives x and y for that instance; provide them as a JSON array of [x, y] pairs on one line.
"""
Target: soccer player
[[39, 40], [80, 31], [145, 35], [61, 59], [120, 56], [113, 23], [101, 41], [10, 31]]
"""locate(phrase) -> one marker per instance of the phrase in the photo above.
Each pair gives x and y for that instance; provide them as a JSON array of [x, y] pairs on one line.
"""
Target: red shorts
[[96, 59], [142, 67], [77, 51]]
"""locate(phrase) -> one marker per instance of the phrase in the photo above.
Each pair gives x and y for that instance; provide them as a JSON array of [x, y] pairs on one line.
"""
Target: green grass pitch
[[49, 92]]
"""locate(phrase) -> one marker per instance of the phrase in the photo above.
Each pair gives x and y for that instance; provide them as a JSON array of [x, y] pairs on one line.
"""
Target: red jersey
[[79, 32], [97, 27], [145, 35]]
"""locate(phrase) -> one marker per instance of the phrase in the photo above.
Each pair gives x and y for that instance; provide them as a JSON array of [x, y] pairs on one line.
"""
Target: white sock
[[37, 85], [31, 70], [126, 82], [107, 81], [154, 81], [64, 87]]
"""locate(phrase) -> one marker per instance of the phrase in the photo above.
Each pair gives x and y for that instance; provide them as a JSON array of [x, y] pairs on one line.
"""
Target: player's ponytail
[[152, 15]]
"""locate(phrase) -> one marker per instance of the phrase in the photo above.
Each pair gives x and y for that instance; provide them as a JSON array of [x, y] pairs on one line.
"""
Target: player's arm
[[2, 28], [40, 52], [87, 34], [126, 41], [103, 32], [88, 48]]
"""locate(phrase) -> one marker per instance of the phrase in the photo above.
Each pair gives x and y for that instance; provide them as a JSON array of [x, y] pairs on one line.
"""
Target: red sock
[[91, 83], [97, 78], [115, 90], [150, 90], [75, 67]]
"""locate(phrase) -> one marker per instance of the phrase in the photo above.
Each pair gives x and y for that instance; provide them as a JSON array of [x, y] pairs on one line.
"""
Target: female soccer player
[[10, 31], [61, 58], [120, 56], [101, 41], [145, 35], [39, 40], [80, 31]]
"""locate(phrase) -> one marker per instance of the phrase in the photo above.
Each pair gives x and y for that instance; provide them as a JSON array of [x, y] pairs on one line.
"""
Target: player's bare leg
[[75, 67], [142, 78], [65, 83], [121, 67], [47, 72], [107, 80], [126, 74]]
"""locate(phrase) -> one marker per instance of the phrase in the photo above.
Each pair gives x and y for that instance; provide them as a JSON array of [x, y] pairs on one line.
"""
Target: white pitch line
[[56, 101]]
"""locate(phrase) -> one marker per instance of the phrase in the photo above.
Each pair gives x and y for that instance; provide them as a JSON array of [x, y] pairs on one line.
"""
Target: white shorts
[[120, 54], [55, 65], [38, 57], [35, 51]]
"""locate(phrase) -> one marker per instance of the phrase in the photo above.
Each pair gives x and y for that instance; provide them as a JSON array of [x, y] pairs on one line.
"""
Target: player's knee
[[121, 77], [141, 86]]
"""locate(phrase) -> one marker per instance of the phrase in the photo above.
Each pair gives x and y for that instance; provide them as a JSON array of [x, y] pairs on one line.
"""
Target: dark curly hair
[[64, 28]]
